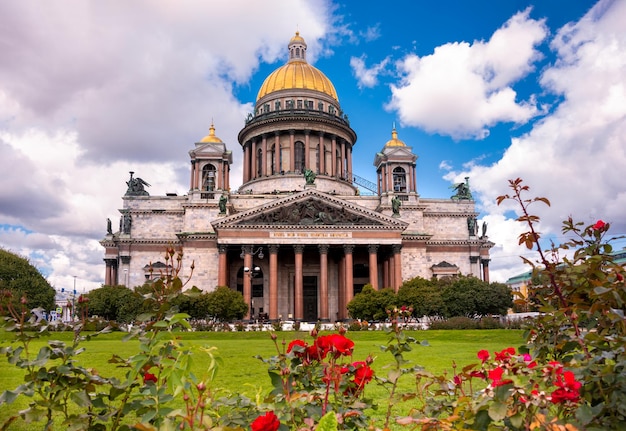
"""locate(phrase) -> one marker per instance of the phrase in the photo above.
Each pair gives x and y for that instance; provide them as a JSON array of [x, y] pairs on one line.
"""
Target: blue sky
[[491, 90]]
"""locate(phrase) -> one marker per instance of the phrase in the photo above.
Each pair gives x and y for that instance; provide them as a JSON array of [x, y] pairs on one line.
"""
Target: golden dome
[[297, 74], [394, 141], [297, 38], [211, 138]]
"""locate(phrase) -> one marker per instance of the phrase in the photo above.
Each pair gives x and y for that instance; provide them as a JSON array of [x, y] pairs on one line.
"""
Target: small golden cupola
[[211, 138], [394, 141]]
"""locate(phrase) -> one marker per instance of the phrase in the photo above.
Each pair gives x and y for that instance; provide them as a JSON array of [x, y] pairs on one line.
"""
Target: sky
[[493, 91]]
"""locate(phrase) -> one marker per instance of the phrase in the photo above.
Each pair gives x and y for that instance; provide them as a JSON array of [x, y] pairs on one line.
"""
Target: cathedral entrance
[[309, 291]]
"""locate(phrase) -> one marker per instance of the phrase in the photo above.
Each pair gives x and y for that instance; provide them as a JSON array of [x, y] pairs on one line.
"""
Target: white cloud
[[90, 90], [574, 156], [367, 77], [461, 89]]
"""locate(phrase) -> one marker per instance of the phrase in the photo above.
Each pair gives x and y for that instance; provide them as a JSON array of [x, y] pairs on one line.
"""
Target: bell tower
[[395, 168], [210, 167]]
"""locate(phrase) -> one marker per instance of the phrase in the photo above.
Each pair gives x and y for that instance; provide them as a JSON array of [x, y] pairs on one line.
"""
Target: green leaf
[[328, 422], [497, 411]]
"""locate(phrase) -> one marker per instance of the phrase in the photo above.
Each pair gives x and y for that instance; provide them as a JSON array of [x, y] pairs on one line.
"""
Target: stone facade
[[303, 234]]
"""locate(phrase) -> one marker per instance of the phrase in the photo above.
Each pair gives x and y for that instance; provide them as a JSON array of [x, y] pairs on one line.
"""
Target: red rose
[[362, 374], [268, 422], [340, 345], [600, 225], [483, 355], [496, 376], [505, 354], [149, 377], [295, 343]]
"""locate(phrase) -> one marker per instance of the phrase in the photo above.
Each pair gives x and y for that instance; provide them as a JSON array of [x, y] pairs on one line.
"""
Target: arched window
[[208, 177], [259, 162], [299, 156], [297, 52], [273, 158], [399, 180]]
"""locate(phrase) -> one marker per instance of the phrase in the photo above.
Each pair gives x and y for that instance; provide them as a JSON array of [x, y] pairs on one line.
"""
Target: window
[[399, 180], [299, 104], [273, 159], [266, 108], [308, 104], [299, 156], [259, 162], [320, 106], [277, 105]]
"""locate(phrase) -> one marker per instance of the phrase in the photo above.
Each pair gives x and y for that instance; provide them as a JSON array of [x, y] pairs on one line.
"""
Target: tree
[[117, 303], [226, 304], [19, 277], [469, 296], [423, 295], [194, 302], [371, 304]]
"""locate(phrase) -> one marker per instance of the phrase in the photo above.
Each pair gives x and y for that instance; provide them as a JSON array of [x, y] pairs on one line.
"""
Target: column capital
[[348, 248], [222, 248], [273, 248], [323, 248], [298, 248], [397, 248], [373, 248]]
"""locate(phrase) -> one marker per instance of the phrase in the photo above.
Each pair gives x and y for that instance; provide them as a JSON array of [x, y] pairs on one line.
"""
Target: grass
[[244, 374]]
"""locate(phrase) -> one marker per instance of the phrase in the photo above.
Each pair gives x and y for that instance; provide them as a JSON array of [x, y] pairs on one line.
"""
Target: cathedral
[[303, 234]]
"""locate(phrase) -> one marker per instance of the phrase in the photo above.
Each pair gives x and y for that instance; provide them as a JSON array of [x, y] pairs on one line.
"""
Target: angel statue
[[136, 186], [462, 190]]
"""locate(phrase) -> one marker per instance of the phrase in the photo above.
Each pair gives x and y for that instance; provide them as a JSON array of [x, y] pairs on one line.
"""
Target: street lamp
[[258, 251]]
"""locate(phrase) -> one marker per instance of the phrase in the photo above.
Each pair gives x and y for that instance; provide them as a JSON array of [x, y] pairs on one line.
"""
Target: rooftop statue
[[462, 191], [136, 186]]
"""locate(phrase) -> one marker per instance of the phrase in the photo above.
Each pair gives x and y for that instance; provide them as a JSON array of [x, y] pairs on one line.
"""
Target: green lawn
[[243, 373]]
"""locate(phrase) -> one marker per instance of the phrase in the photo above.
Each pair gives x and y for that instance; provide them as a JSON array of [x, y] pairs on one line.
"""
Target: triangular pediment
[[310, 209]]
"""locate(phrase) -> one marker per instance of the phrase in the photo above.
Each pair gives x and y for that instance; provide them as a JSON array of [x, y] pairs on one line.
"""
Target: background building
[[303, 233]]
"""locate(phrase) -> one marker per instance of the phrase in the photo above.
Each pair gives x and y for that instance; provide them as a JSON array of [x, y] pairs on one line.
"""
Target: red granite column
[[193, 169], [341, 289], [373, 249], [253, 157], [324, 315], [392, 271], [273, 282], [277, 167], [246, 162], [265, 161], [333, 157], [292, 151], [386, 278], [307, 150], [222, 273], [349, 276], [298, 287], [485, 263], [397, 277], [322, 155], [247, 279]]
